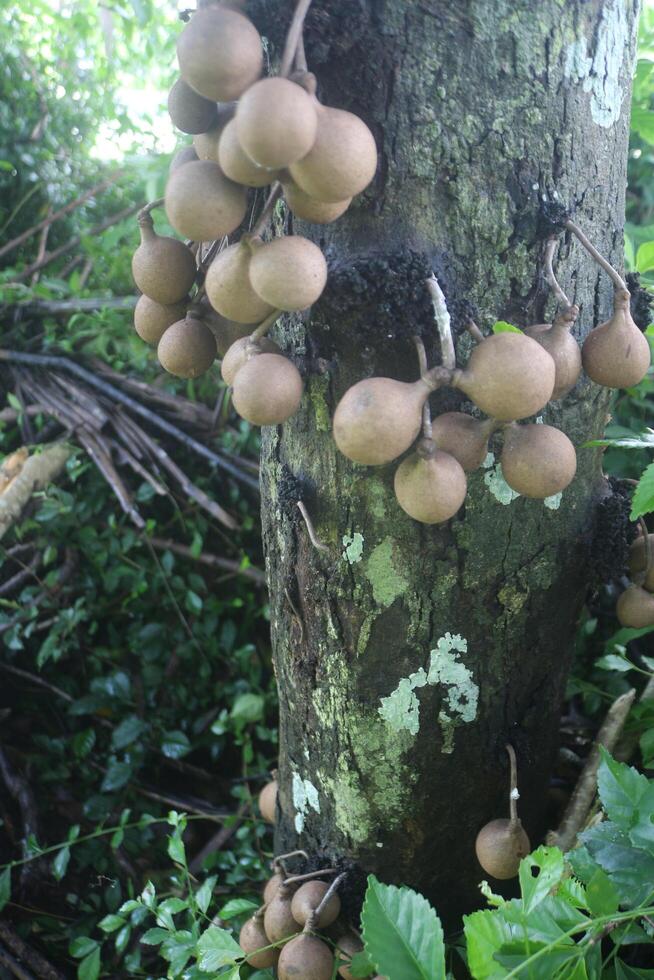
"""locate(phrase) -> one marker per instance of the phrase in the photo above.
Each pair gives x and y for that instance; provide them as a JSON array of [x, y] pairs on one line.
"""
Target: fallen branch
[[585, 791], [37, 472], [36, 962], [213, 561], [61, 307]]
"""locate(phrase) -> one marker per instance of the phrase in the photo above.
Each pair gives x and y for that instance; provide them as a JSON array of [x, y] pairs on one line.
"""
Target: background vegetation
[[136, 678]]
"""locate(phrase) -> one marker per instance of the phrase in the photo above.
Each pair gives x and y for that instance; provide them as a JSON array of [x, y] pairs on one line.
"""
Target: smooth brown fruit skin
[[187, 348], [463, 437], [272, 887], [305, 958], [342, 160], [377, 419], [638, 558], [186, 155], [206, 144], [278, 921], [237, 165], [190, 112], [509, 376], [163, 268], [306, 208], [220, 53], [268, 801], [237, 356], [252, 937], [267, 390], [289, 272], [430, 488], [559, 343], [308, 897], [537, 460], [500, 846], [635, 608], [202, 204], [276, 122], [152, 319], [229, 288], [616, 354]]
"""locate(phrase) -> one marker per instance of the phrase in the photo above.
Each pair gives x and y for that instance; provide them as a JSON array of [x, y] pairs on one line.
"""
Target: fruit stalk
[[550, 250], [293, 36], [144, 213], [315, 540], [615, 277], [309, 876], [474, 331], [265, 325], [442, 318], [426, 410], [314, 918], [514, 795]]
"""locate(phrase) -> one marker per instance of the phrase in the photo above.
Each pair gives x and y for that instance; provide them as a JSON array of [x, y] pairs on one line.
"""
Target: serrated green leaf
[[111, 922], [551, 868], [154, 936], [216, 948], [402, 933], [643, 499], [620, 789], [603, 898]]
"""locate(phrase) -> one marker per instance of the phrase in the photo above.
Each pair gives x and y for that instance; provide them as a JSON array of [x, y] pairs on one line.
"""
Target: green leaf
[[216, 948], [611, 661], [236, 906], [89, 968], [110, 923], [501, 326], [642, 122], [643, 499], [645, 257], [624, 972], [647, 747], [122, 939], [551, 869], [176, 849], [402, 933], [116, 776], [204, 893], [620, 789], [485, 933], [248, 708], [5, 887], [603, 898], [175, 744], [360, 965], [60, 863], [127, 731], [82, 946], [154, 936]]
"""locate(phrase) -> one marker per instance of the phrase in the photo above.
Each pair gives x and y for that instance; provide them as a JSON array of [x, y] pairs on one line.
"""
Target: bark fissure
[[479, 113]]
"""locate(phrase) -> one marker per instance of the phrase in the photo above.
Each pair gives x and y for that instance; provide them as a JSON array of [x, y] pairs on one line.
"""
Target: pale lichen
[[388, 584], [353, 545]]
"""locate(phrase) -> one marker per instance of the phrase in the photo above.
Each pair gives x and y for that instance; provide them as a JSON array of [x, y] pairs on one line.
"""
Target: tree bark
[[408, 655]]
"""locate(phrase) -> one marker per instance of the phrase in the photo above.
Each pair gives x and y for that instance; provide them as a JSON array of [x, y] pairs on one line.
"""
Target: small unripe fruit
[[202, 204], [272, 887], [267, 389], [229, 288], [237, 355], [187, 348], [289, 273], [163, 268], [186, 155], [268, 801], [152, 319], [308, 897], [377, 419], [430, 485], [276, 122], [537, 460], [463, 437], [342, 160], [252, 938], [616, 354], [278, 920], [190, 112], [562, 347], [635, 608], [305, 958]]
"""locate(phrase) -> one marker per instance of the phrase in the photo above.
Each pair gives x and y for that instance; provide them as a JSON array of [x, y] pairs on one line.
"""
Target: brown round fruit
[[342, 160], [616, 354], [564, 350], [430, 485], [537, 460], [220, 53], [202, 204], [152, 319], [252, 940], [635, 608], [276, 122], [268, 801], [229, 289], [638, 561], [377, 419], [163, 267], [509, 376], [500, 846], [267, 389], [186, 155], [289, 273], [308, 897], [463, 437], [206, 144], [237, 165], [237, 355], [190, 112], [305, 958], [278, 921], [187, 348], [272, 887], [308, 209]]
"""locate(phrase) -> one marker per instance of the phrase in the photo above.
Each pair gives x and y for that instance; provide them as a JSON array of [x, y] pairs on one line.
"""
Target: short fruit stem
[[550, 249], [616, 278], [293, 36], [514, 795], [265, 325], [426, 411], [143, 216]]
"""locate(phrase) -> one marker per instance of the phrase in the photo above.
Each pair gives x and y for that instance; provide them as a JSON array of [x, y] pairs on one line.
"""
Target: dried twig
[[212, 561]]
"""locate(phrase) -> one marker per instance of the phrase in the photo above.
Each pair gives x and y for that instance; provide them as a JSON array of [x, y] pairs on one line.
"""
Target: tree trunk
[[408, 655]]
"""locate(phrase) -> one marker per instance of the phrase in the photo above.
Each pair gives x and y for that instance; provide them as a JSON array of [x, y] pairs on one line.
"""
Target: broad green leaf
[[402, 933], [5, 887], [620, 789], [631, 870], [216, 948], [60, 863], [236, 906], [175, 744], [485, 933], [89, 968], [603, 898], [116, 776], [154, 936], [624, 972], [248, 708], [645, 257], [611, 661], [204, 893], [551, 869], [643, 499], [82, 946], [642, 833], [111, 922], [127, 731]]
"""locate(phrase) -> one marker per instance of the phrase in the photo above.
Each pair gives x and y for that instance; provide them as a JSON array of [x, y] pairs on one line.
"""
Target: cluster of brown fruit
[[635, 607], [248, 132]]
